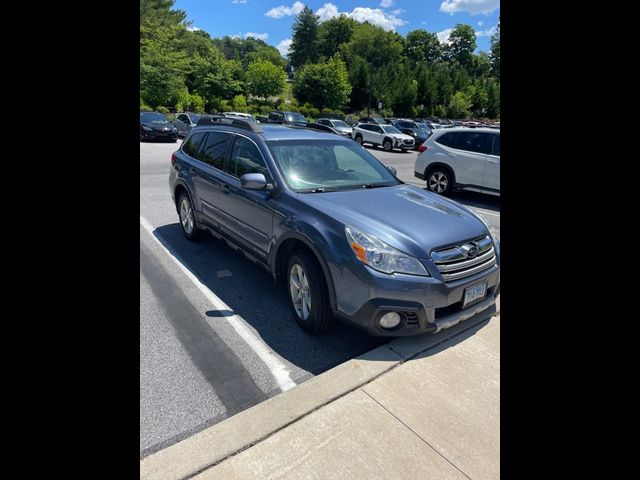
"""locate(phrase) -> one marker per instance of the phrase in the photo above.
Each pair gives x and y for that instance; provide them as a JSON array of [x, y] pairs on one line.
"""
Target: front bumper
[[158, 135], [425, 304]]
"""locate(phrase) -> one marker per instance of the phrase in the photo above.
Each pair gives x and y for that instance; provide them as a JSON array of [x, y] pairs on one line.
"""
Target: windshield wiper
[[375, 185], [317, 190]]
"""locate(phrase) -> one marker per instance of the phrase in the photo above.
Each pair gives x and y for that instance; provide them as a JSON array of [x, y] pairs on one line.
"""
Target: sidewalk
[[416, 408]]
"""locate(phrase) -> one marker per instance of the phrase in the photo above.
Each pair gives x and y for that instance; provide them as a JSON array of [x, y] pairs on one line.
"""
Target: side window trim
[[197, 147], [232, 144]]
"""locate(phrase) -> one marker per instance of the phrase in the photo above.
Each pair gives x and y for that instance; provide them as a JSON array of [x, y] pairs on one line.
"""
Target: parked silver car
[[461, 158], [339, 125]]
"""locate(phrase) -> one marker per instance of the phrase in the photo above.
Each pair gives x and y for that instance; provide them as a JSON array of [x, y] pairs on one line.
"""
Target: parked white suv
[[386, 135], [461, 158]]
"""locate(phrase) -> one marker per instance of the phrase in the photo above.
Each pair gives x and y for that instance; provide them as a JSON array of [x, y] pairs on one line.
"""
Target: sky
[[271, 20]]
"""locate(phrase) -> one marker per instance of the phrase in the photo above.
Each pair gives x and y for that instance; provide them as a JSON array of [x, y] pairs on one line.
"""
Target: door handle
[[225, 189], [192, 171]]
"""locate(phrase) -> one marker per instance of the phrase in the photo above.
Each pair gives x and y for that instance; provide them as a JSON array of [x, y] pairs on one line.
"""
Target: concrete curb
[[235, 434]]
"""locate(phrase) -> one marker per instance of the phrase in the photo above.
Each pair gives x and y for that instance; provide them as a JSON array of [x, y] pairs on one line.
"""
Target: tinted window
[[472, 142], [182, 118], [213, 148], [194, 118], [447, 139], [246, 158], [275, 116], [407, 125], [152, 117], [190, 146], [377, 129], [340, 123], [366, 127], [496, 145], [390, 129], [295, 117], [322, 121]]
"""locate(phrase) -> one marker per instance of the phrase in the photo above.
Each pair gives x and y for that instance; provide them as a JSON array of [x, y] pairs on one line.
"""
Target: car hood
[[408, 218], [400, 136], [158, 125]]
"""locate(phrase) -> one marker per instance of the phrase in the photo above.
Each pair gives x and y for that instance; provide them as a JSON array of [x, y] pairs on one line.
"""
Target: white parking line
[[278, 369]]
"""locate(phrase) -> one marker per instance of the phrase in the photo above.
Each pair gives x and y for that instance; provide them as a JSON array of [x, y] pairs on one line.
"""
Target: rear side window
[[472, 142], [246, 158], [496, 145], [447, 139], [214, 148], [190, 147]]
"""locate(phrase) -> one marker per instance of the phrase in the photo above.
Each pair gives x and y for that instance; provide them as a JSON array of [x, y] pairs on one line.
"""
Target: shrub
[[162, 109]]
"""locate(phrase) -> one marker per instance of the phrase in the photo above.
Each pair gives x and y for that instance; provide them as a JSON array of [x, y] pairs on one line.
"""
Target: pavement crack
[[415, 433]]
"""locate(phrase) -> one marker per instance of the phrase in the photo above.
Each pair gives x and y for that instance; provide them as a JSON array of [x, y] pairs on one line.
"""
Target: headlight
[[174, 130], [147, 129], [380, 256]]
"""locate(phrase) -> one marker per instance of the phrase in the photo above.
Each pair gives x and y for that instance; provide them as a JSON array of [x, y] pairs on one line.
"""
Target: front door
[[246, 215]]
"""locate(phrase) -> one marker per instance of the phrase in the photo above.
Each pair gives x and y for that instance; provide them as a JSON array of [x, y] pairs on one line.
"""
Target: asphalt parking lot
[[216, 334]]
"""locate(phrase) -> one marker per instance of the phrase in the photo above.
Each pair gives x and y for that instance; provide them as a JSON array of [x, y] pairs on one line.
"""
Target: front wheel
[[440, 181], [387, 145], [359, 139], [307, 293]]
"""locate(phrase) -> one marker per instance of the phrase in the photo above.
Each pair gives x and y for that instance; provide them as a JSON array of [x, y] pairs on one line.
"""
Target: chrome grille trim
[[453, 263]]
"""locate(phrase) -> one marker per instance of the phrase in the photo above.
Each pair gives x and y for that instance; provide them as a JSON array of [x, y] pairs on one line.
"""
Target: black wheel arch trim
[[431, 166], [308, 243], [183, 184]]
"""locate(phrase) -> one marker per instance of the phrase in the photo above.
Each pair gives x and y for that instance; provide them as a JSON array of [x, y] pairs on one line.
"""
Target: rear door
[[246, 215], [468, 157], [208, 174], [491, 183]]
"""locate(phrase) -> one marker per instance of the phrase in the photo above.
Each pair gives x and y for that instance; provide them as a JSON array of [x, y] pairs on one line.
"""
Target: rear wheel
[[440, 180], [187, 218], [308, 293]]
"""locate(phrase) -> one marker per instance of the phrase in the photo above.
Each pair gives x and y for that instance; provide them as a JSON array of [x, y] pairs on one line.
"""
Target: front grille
[[454, 263], [411, 318], [408, 142]]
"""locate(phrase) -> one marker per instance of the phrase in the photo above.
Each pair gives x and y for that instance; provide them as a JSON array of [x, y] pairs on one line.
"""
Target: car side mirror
[[392, 170], [253, 181]]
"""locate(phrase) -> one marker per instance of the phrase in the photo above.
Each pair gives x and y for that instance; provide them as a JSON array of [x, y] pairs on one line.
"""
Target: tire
[[439, 180], [359, 139], [306, 286], [387, 145], [188, 218]]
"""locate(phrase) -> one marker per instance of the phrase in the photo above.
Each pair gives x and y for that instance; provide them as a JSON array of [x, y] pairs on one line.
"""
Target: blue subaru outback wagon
[[346, 238]]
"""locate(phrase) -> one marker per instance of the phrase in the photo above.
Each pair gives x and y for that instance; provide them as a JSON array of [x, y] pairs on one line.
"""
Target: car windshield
[[295, 117], [340, 123], [194, 118], [152, 117], [325, 165], [408, 124], [423, 126], [390, 129]]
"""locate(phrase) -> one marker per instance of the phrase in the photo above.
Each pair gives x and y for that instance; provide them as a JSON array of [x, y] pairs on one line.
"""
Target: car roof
[[469, 129], [276, 132]]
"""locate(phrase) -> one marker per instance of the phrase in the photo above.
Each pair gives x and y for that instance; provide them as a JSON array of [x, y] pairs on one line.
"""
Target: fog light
[[390, 320]]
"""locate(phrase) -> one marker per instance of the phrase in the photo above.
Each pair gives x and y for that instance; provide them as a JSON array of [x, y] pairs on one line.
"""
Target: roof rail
[[236, 122]]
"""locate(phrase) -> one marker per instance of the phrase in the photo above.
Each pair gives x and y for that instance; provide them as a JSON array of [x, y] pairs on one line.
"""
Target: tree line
[[336, 65]]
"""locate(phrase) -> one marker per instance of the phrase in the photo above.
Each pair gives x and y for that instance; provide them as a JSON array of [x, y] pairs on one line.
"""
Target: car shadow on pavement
[[249, 291], [475, 199]]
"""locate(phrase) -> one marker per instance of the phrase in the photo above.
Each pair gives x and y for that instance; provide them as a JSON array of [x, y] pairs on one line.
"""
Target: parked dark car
[[287, 118], [345, 237], [412, 128], [156, 126], [326, 128]]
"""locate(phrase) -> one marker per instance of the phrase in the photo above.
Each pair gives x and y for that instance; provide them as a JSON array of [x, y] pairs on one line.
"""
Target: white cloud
[[397, 11], [470, 6], [376, 17], [239, 1], [443, 36], [259, 36], [488, 32], [282, 11], [284, 46], [387, 3], [193, 29], [424, 23], [480, 23], [327, 12]]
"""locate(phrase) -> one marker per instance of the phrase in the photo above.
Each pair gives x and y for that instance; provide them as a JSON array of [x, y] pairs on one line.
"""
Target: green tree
[[422, 46], [334, 33], [495, 51], [323, 84], [264, 79], [304, 41], [459, 106], [462, 43]]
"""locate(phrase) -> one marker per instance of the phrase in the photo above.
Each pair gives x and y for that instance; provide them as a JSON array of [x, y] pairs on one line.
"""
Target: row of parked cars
[[344, 236]]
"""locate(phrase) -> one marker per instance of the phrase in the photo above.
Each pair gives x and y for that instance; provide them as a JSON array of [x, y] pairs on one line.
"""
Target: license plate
[[473, 294]]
